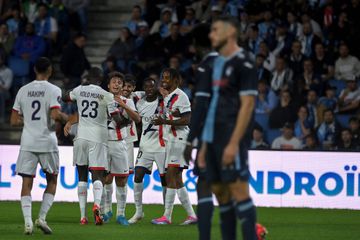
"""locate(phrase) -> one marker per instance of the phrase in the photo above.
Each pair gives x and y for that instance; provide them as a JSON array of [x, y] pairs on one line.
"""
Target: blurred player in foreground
[[118, 153], [176, 118], [90, 144], [37, 106], [152, 144], [227, 131]]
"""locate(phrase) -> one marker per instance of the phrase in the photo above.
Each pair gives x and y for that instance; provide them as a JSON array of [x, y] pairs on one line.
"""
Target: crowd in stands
[[306, 53]]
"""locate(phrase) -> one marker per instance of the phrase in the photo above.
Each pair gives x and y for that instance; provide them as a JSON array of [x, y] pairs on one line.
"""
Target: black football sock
[[246, 212], [228, 221], [205, 209]]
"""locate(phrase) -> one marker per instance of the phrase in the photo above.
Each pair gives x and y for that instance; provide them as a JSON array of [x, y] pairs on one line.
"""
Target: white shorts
[[27, 163], [175, 154], [130, 151], [146, 159], [118, 159], [92, 154]]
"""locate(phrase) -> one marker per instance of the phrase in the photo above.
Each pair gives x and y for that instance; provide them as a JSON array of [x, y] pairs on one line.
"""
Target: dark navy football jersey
[[232, 77], [203, 89]]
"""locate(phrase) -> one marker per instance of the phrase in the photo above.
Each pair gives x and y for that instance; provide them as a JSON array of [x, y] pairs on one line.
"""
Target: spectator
[[262, 73], [295, 28], [175, 44], [6, 78], [30, 46], [296, 59], [341, 29], [46, 27], [266, 100], [253, 43], [202, 10], [267, 27], [30, 9], [283, 113], [270, 59], [311, 143], [78, 9], [315, 27], [283, 41], [177, 10], [123, 49], [109, 66], [346, 143], [323, 63], [258, 139], [245, 26], [189, 21], [349, 99], [162, 26], [328, 131], [73, 62], [308, 80], [287, 141], [282, 76], [313, 108], [302, 125], [59, 13], [354, 125], [6, 40], [308, 40], [135, 19], [15, 23], [346, 66], [142, 34], [329, 101], [216, 12]]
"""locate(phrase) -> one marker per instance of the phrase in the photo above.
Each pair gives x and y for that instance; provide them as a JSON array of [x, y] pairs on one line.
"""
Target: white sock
[[185, 201], [164, 194], [26, 209], [46, 204], [121, 194], [138, 190], [108, 200], [102, 202], [97, 190], [169, 202], [82, 194]]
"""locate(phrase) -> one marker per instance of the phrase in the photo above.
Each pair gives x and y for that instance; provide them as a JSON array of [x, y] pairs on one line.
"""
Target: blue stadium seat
[[339, 84], [271, 134], [263, 120], [343, 119]]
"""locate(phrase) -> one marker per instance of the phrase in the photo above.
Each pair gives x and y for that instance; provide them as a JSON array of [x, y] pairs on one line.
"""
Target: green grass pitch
[[282, 223]]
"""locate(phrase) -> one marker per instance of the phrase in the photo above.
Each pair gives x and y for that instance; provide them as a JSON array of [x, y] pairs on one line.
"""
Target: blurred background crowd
[[306, 53]]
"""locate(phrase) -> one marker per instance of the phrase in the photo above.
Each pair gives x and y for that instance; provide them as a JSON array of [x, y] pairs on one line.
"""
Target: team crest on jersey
[[228, 71]]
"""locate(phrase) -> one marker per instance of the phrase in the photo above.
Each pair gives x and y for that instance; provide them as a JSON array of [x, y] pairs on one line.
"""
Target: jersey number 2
[[94, 106], [35, 105]]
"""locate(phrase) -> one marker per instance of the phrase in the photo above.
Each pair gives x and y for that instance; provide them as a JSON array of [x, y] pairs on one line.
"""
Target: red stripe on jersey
[[96, 168], [118, 133], [172, 102], [161, 134], [174, 165], [55, 107], [132, 133], [14, 110]]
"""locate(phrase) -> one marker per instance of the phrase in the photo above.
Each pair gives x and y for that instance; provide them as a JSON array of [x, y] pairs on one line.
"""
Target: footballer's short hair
[[130, 79], [229, 20], [174, 75], [116, 74], [42, 65]]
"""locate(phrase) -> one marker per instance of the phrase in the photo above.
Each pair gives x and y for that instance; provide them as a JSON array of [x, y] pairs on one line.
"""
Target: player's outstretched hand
[[120, 101], [67, 129], [229, 154], [187, 153]]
